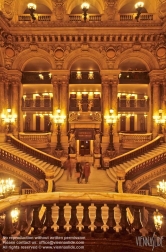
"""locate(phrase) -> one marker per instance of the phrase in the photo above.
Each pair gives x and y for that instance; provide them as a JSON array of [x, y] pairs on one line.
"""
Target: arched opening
[[37, 95], [85, 106]]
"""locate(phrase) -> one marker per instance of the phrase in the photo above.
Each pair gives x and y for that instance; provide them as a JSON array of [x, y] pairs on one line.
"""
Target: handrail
[[142, 167], [34, 152], [82, 197], [136, 152]]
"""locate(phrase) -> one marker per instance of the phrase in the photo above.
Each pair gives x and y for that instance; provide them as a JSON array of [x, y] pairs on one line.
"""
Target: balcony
[[85, 105], [134, 77], [133, 105], [38, 104], [77, 77]]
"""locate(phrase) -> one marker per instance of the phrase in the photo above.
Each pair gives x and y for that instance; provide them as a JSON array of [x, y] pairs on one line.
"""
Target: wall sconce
[[41, 76], [32, 8], [78, 75], [91, 75], [138, 7], [157, 216], [85, 8]]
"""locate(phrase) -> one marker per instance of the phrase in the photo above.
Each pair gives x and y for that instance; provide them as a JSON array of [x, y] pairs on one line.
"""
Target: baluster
[[150, 226], [111, 221], [67, 213], [98, 223], [73, 220], [55, 211], [49, 221], [104, 210], [86, 221], [36, 223], [8, 229], [123, 222], [137, 221], [22, 221], [61, 221], [92, 216], [80, 217]]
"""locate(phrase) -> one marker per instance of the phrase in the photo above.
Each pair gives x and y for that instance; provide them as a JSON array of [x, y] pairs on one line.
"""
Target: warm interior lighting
[[14, 215], [78, 75], [41, 76], [85, 8], [157, 216], [6, 187], [58, 118], [161, 187], [91, 75], [138, 7], [32, 8]]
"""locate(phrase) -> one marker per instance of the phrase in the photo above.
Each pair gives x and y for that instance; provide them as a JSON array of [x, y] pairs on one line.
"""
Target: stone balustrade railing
[[135, 105], [149, 164], [143, 138], [36, 138], [20, 162], [136, 152], [85, 216], [131, 17], [34, 152]]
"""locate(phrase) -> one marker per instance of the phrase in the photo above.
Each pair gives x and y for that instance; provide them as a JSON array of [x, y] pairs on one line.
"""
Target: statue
[[97, 142], [72, 142]]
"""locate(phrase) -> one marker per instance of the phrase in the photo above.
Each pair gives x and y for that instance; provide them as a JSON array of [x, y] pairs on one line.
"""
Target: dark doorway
[[84, 148], [123, 123], [131, 123], [37, 123]]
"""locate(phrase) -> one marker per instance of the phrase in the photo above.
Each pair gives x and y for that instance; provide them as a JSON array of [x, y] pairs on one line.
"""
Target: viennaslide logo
[[150, 241]]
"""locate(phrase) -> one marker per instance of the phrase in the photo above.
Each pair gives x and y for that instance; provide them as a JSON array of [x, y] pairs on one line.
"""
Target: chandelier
[[161, 188], [6, 187]]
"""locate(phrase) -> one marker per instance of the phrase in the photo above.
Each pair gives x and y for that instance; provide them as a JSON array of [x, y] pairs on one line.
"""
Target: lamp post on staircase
[[111, 120], [59, 119]]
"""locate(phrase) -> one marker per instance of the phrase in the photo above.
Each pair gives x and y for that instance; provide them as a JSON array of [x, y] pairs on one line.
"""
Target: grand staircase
[[44, 166], [128, 165], [98, 182]]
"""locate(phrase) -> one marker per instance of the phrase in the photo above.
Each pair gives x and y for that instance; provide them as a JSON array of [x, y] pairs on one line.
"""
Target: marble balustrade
[[97, 215]]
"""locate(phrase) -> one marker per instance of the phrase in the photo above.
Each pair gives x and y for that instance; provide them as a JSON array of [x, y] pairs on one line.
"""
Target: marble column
[[105, 102], [156, 105], [64, 98], [15, 83], [55, 83], [114, 94], [3, 81]]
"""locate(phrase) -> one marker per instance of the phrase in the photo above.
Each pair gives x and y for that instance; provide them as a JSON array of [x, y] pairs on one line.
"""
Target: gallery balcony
[[134, 77], [38, 104], [133, 105]]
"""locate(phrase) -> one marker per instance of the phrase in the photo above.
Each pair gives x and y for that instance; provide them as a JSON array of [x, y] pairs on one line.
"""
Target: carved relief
[[111, 6], [59, 9], [8, 8]]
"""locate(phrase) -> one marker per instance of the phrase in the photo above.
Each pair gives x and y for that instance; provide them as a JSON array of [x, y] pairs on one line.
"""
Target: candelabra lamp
[[111, 120], [6, 187], [160, 120], [85, 8], [32, 8], [9, 118], [138, 7], [59, 119], [161, 188]]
